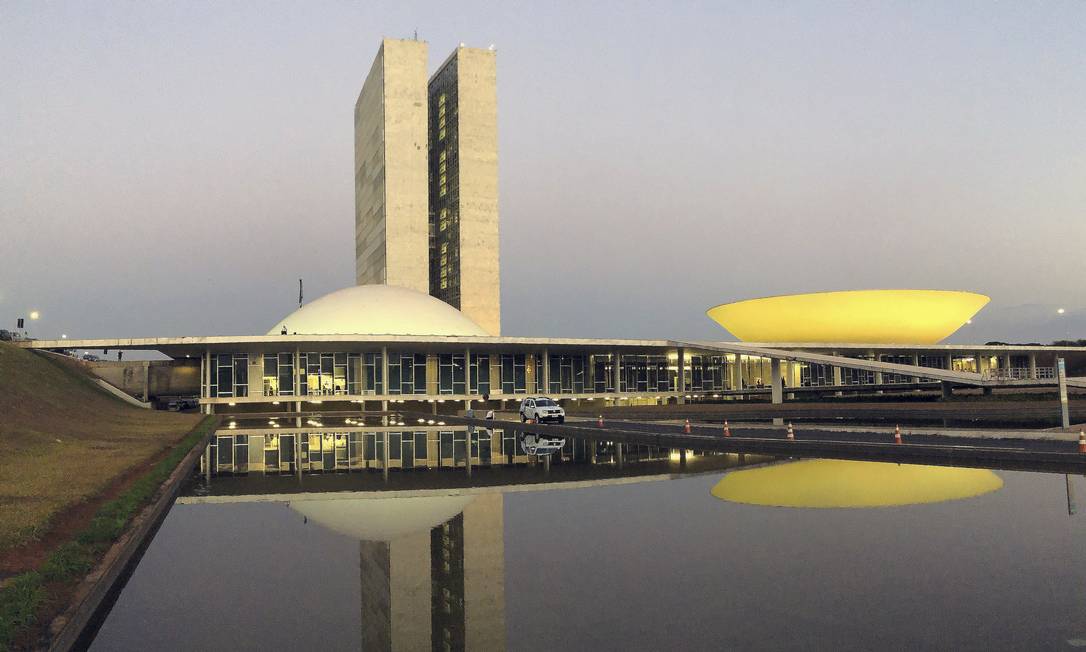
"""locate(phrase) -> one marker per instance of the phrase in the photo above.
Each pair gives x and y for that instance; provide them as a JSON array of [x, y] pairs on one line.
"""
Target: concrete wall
[[477, 111], [391, 195], [168, 377]]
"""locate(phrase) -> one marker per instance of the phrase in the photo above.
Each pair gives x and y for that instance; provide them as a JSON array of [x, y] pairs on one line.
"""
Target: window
[[480, 374], [229, 375], [451, 376], [407, 373]]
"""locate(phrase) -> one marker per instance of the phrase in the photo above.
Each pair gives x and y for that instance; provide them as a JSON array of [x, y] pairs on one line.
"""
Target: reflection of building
[[349, 447], [432, 569]]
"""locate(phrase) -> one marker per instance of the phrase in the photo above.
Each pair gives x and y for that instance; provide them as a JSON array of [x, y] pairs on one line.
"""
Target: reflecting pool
[[602, 557]]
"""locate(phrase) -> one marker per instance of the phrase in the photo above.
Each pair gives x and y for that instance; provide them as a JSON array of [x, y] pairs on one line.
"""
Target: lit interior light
[[231, 404]]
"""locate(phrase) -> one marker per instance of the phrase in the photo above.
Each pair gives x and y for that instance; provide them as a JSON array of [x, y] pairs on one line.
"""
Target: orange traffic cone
[[1081, 441], [791, 433], [897, 434], [686, 428], [727, 430], [599, 422]]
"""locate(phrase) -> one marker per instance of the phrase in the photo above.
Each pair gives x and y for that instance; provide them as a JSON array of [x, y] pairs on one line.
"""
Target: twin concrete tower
[[426, 177]]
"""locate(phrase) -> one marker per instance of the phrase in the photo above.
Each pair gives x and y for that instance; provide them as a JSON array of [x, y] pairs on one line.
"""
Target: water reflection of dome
[[377, 310], [842, 483], [381, 519]]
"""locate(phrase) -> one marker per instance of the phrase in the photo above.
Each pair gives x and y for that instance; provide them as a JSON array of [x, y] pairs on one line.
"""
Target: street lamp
[[34, 314], [1067, 329]]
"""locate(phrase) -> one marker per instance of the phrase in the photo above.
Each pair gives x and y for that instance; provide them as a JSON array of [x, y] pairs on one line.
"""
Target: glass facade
[[444, 186], [567, 374], [561, 373], [452, 376], [229, 375], [406, 373], [707, 373], [339, 374], [645, 373]]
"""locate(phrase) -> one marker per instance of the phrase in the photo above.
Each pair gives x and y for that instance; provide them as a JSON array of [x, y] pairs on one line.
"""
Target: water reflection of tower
[[440, 587]]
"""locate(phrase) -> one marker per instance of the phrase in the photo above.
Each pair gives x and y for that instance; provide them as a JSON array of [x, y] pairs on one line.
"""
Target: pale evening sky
[[173, 168]]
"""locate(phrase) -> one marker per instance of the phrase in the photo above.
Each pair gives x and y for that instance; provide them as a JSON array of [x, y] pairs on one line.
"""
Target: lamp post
[[1060, 312]]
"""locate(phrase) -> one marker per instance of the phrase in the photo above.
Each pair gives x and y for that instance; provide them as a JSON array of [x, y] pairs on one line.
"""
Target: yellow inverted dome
[[853, 316], [377, 310], [843, 483]]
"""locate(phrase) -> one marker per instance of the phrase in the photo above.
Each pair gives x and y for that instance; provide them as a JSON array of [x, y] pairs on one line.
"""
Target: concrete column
[[546, 464], [950, 362], [1006, 362], [916, 363], [837, 377], [981, 366], [467, 451], [616, 368], [146, 380], [948, 389], [680, 382], [544, 375], [207, 463], [385, 456], [205, 391], [384, 375], [619, 457], [591, 451], [467, 375], [1033, 366], [298, 372], [298, 454], [298, 411], [776, 389], [739, 380]]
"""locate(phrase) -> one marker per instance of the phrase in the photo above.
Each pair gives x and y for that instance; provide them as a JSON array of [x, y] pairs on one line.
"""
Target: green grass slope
[[63, 439]]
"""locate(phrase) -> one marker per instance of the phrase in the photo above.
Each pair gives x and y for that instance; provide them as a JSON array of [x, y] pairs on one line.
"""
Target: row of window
[[360, 374]]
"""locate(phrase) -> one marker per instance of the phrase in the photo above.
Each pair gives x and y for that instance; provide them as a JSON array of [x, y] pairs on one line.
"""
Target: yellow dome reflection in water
[[842, 483]]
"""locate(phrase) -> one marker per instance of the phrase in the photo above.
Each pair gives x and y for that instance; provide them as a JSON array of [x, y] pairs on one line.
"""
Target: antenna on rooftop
[[416, 33], [299, 293]]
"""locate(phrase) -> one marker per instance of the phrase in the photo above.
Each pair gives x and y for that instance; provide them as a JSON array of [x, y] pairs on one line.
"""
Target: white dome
[[381, 519], [377, 310]]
